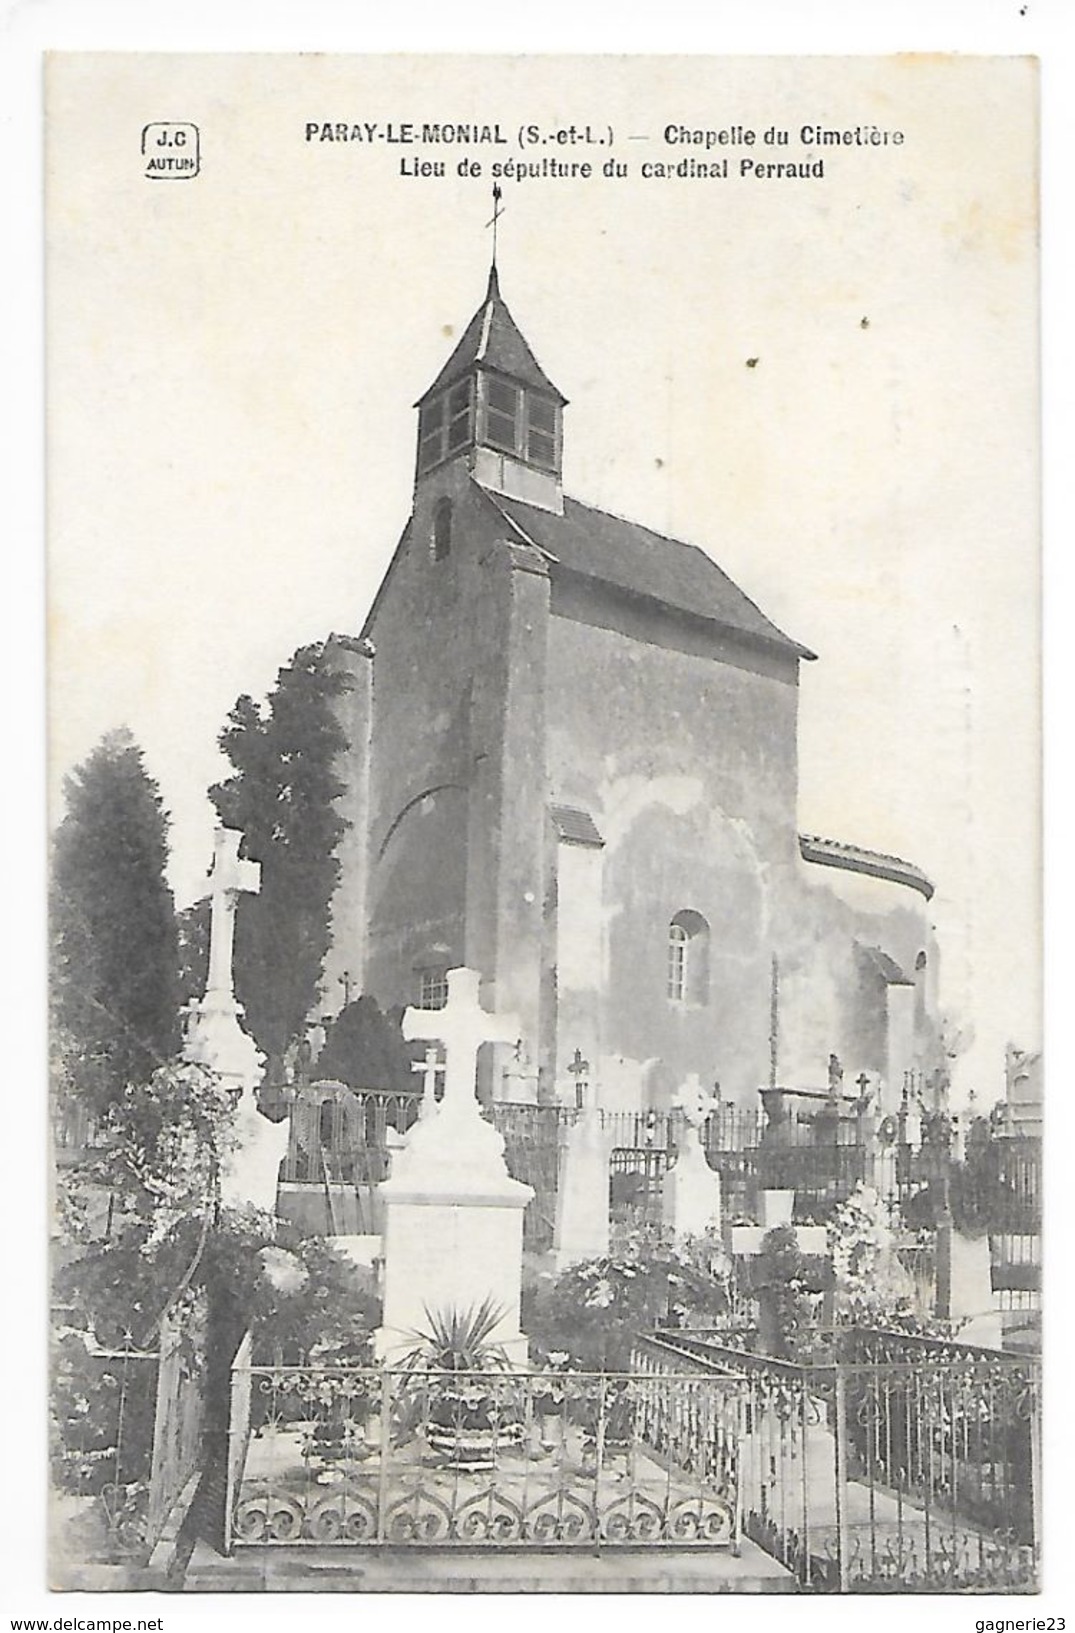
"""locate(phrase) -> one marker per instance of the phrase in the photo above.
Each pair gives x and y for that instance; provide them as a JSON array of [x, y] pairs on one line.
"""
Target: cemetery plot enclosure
[[361, 1456], [895, 1463]]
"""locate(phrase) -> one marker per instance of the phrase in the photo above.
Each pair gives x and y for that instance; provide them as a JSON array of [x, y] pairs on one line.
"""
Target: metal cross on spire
[[495, 217]]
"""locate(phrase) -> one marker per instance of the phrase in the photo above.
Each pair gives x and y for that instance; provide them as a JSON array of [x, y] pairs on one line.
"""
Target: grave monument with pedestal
[[582, 1191], [453, 1216], [215, 1039], [691, 1199]]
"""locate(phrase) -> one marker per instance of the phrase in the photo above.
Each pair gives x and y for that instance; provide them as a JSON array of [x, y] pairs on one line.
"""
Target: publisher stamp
[[171, 150]]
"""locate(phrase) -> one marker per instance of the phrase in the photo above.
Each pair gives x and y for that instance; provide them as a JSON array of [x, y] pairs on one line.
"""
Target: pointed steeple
[[493, 340], [493, 404]]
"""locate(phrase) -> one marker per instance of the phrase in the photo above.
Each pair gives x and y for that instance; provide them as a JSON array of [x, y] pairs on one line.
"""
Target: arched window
[[688, 958], [442, 529]]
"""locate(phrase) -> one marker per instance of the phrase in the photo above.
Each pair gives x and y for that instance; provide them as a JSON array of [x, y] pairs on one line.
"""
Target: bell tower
[[493, 406]]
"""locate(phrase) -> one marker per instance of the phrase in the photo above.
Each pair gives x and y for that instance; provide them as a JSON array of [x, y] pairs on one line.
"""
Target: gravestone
[[453, 1216], [582, 1191], [431, 1066], [215, 1038], [691, 1199], [965, 1287]]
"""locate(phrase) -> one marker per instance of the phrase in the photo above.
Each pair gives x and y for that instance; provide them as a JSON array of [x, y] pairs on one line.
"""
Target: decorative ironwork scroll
[[358, 1456]]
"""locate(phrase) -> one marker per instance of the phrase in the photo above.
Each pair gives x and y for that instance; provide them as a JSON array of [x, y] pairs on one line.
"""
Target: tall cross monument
[[216, 1039]]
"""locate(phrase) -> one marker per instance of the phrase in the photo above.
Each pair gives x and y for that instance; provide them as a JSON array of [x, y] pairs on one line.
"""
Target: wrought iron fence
[[554, 1460], [127, 1432], [103, 1402], [341, 1141], [894, 1464]]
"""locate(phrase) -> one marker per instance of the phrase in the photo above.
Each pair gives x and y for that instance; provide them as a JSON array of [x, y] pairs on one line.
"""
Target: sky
[[829, 383]]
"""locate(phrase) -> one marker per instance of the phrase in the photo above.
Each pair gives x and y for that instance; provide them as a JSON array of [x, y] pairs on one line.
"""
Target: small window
[[678, 940], [501, 415], [432, 989], [688, 959], [442, 529], [459, 403], [541, 431], [431, 434]]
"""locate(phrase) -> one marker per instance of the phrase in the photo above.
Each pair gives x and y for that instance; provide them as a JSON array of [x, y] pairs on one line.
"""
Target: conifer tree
[[282, 797], [114, 953]]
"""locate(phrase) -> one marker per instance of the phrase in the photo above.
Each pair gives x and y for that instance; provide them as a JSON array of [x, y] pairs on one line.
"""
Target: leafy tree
[[192, 924], [170, 1247], [364, 1048], [114, 957], [282, 796]]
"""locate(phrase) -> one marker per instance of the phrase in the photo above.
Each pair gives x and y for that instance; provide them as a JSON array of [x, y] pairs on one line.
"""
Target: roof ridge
[[699, 550]]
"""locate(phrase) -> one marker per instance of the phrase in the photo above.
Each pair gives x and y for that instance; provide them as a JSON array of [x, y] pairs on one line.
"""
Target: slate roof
[[492, 339], [574, 825], [857, 859], [886, 966], [598, 545]]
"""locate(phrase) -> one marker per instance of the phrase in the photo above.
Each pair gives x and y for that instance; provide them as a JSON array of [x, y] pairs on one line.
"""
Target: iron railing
[[343, 1140], [500, 1459], [894, 1463], [127, 1426]]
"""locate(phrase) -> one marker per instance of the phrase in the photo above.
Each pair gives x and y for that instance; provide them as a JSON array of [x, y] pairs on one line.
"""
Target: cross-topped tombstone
[[215, 1037], [691, 1199], [518, 1079], [580, 1071], [462, 1026], [230, 877], [452, 1213], [431, 1066], [695, 1103]]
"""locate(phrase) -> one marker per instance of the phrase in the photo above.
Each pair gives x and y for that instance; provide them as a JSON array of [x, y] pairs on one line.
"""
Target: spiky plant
[[457, 1340]]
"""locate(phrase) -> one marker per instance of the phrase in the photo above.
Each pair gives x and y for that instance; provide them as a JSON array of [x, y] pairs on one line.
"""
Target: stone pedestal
[[453, 1216], [691, 1199], [215, 1039], [453, 1232], [582, 1203]]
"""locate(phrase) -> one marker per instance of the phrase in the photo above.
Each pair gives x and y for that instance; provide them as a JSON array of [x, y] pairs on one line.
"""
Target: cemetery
[[774, 1363], [555, 1183]]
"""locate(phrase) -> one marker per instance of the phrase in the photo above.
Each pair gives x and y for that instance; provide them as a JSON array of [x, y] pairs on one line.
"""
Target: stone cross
[[430, 1067], [695, 1104], [580, 1071], [462, 1026], [229, 878]]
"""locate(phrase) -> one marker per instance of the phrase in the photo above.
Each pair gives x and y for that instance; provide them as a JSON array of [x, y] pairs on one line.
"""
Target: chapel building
[[573, 768]]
